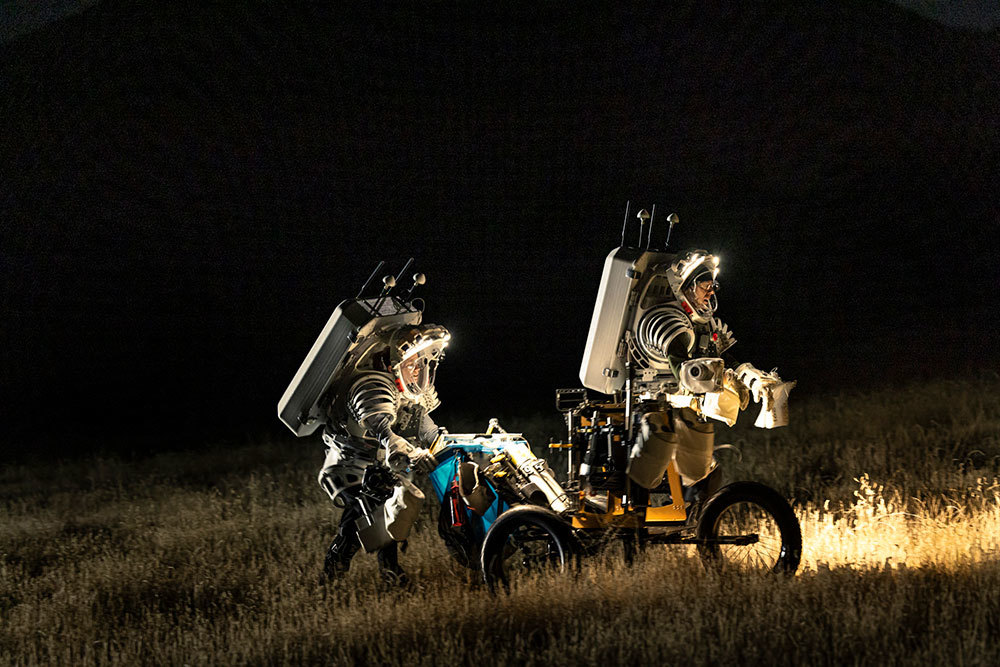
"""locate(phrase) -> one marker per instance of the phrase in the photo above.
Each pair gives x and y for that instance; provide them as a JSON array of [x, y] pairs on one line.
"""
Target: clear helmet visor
[[701, 292], [417, 373]]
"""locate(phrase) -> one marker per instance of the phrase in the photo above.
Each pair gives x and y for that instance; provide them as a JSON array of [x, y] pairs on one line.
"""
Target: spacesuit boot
[[388, 566], [339, 555]]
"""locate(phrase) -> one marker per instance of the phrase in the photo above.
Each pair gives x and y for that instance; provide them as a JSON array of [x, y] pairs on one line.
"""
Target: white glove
[[422, 460], [403, 454], [397, 451], [770, 391], [731, 382]]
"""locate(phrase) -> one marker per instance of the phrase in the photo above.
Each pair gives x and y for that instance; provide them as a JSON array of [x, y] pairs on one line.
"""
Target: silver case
[[603, 368], [350, 322]]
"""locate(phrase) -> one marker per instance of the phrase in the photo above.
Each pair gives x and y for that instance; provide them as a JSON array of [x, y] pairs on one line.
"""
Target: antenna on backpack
[[673, 220], [399, 276], [418, 279], [387, 284], [365, 286], [650, 234], [625, 221], [643, 216], [390, 283]]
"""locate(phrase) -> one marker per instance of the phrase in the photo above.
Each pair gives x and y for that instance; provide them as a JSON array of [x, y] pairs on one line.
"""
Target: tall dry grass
[[213, 558]]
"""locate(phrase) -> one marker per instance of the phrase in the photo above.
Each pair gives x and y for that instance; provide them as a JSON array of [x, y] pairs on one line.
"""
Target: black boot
[[339, 555], [346, 544], [388, 565]]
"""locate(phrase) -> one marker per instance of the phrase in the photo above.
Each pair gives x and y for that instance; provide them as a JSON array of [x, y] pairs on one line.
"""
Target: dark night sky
[[188, 192]]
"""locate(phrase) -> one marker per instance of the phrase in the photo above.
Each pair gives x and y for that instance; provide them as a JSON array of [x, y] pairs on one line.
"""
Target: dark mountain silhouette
[[189, 190]]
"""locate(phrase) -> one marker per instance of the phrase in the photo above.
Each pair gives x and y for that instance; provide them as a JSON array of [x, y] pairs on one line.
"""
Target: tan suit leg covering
[[695, 443], [654, 448]]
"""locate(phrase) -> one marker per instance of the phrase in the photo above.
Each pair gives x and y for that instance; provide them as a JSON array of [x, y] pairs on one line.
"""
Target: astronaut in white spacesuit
[[378, 418], [694, 343], [697, 334]]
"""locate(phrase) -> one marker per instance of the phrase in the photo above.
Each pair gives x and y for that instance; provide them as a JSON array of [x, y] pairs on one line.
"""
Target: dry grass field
[[213, 558]]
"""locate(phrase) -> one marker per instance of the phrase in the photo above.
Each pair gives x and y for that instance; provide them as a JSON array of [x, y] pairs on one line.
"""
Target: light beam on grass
[[884, 529]]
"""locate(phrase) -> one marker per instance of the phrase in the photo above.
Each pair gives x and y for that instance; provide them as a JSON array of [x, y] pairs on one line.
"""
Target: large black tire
[[750, 527], [523, 540]]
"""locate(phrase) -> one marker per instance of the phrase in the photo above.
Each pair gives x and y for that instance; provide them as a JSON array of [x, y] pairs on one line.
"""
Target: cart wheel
[[525, 539], [750, 527]]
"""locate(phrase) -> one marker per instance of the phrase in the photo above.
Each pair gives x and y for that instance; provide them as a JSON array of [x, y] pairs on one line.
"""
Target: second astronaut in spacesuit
[[682, 334], [379, 414]]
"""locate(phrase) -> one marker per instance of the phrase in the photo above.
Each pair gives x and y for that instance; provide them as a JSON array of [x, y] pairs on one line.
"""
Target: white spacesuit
[[378, 409], [677, 332], [686, 335], [656, 345]]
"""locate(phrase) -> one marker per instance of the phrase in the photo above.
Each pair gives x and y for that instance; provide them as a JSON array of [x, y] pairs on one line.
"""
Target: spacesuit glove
[[422, 460], [398, 453], [402, 455], [770, 391], [755, 380], [731, 382]]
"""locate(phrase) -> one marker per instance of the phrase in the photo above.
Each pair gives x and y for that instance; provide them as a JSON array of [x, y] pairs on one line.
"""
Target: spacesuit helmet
[[692, 279], [414, 354]]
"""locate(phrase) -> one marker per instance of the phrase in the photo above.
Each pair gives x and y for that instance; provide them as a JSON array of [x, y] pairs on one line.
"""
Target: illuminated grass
[[213, 558], [883, 529]]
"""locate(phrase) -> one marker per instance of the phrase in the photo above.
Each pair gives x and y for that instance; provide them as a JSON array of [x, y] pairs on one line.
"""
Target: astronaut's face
[[417, 373], [701, 293]]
